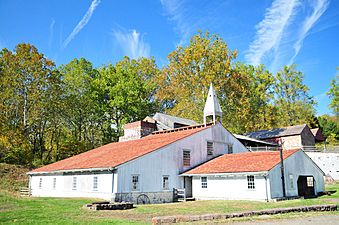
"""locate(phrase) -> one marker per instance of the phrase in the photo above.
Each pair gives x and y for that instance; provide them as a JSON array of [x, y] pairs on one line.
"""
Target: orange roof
[[117, 153], [242, 162]]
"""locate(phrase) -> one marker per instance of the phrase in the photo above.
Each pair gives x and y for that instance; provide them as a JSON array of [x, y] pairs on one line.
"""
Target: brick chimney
[[137, 130]]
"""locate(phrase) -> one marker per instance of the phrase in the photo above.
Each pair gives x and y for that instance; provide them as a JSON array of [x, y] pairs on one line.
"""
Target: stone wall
[[145, 197]]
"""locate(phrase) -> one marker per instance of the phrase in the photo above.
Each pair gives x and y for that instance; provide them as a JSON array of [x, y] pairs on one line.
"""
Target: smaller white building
[[257, 176]]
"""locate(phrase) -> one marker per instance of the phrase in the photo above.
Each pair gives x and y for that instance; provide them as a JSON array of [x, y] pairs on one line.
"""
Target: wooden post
[[282, 172]]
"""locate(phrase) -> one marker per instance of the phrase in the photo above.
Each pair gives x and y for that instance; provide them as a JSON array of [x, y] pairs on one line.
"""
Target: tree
[[125, 93], [27, 81], [183, 83], [295, 105], [333, 93]]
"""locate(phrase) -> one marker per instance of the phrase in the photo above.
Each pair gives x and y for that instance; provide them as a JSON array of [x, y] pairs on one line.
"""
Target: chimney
[[137, 130]]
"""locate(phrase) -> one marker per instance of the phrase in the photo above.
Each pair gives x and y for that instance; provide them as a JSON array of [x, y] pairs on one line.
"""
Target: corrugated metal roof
[[242, 137], [278, 132], [167, 122]]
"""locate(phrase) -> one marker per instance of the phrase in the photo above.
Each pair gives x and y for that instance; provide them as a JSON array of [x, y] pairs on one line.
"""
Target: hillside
[[13, 177]]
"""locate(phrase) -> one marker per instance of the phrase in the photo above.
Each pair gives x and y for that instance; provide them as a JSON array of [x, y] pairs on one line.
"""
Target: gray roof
[[242, 137], [278, 132], [165, 122]]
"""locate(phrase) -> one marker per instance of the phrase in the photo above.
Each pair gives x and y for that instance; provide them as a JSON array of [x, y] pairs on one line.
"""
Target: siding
[[231, 188], [64, 185], [168, 160]]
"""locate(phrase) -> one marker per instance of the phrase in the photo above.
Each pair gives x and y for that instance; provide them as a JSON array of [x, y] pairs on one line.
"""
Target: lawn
[[70, 211]]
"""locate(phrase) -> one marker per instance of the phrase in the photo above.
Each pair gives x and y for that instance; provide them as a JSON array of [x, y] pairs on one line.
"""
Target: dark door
[[306, 186]]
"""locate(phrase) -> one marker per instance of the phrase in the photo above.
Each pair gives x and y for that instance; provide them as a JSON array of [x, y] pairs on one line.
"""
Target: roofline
[[182, 128], [72, 170], [264, 172], [205, 128], [314, 163]]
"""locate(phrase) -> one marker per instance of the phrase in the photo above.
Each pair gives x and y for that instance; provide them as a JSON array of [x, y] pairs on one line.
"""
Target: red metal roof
[[117, 153], [242, 162]]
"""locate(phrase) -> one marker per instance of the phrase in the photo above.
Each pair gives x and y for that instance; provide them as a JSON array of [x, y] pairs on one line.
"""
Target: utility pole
[[282, 171]]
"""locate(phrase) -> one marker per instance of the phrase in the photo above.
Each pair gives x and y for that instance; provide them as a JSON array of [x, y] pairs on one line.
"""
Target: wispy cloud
[[132, 43], [319, 7], [51, 33], [82, 22], [270, 30], [188, 18]]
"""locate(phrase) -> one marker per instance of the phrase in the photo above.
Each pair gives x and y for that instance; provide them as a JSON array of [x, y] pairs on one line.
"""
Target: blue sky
[[276, 32]]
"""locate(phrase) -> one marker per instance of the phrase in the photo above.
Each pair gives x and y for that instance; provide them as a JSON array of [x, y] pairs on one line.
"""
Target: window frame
[[204, 183], [229, 148], [54, 183], [74, 183], [40, 183], [250, 182], [308, 181], [95, 183], [165, 184], [186, 160], [137, 182], [210, 148]]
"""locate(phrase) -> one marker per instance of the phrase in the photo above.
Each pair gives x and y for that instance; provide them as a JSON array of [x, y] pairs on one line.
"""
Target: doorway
[[306, 186]]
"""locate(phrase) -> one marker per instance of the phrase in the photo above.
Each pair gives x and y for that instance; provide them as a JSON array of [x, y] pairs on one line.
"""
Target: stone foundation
[[145, 197]]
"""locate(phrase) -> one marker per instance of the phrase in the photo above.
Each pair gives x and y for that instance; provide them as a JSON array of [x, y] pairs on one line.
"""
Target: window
[[309, 181], [209, 148], [74, 183], [95, 183], [187, 158], [135, 182], [54, 182], [250, 182], [165, 182], [290, 176], [203, 182], [230, 149], [40, 183]]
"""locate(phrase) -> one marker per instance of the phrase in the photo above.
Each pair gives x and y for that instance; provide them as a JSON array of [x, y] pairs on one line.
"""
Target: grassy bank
[[13, 177], [70, 211]]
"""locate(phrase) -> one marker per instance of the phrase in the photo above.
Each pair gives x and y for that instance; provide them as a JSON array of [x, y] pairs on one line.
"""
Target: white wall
[[169, 160], [298, 164], [231, 188], [328, 162], [64, 185]]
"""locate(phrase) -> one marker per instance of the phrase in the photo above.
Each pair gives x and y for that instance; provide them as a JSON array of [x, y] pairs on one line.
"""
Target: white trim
[[72, 171], [261, 173]]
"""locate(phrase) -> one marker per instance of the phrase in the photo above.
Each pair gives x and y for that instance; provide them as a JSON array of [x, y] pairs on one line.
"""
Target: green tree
[[333, 93], [295, 105], [125, 93]]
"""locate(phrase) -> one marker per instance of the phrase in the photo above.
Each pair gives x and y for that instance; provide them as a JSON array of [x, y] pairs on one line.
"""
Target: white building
[[327, 161], [257, 176], [149, 163]]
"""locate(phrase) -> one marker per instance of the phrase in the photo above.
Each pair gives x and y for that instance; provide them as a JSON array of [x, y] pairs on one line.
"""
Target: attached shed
[[257, 176]]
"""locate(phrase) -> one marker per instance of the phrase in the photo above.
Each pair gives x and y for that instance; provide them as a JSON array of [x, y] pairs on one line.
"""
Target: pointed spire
[[212, 106]]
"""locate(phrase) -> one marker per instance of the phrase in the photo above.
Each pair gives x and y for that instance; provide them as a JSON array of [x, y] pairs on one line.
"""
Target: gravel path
[[317, 220]]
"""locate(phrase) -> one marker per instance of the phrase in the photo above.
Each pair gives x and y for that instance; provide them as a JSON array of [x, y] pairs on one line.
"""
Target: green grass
[[70, 211]]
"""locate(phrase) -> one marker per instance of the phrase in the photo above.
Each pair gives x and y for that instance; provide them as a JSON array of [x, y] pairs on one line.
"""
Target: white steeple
[[212, 106]]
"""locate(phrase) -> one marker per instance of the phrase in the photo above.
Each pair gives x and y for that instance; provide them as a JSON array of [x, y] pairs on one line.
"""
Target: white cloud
[[82, 22], [319, 7], [175, 11], [132, 43], [270, 30], [51, 33]]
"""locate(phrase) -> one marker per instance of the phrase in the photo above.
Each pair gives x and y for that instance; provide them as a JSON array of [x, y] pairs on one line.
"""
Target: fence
[[329, 149]]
